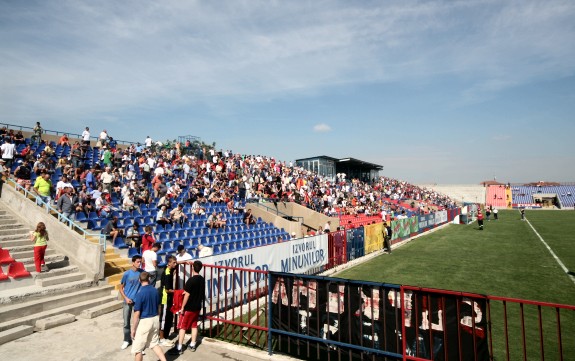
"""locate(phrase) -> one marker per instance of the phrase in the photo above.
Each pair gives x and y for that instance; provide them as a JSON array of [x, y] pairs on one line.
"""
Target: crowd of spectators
[[157, 175]]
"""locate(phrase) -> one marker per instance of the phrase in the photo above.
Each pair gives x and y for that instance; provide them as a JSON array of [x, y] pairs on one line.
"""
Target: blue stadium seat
[[120, 243], [81, 217], [133, 251]]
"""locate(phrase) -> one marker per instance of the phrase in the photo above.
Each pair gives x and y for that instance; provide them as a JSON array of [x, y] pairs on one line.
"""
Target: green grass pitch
[[506, 259]]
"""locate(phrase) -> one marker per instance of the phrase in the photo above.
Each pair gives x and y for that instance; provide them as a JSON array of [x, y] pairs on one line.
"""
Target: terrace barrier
[[327, 318]]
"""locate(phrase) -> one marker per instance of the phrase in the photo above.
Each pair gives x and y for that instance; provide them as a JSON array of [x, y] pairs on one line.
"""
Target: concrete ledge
[[75, 308], [16, 242], [54, 321], [57, 280], [15, 333], [32, 293], [57, 272], [15, 284], [101, 310]]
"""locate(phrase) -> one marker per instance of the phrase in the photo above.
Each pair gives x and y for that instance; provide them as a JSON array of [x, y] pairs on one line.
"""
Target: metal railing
[[57, 133], [236, 303], [67, 221], [530, 330], [329, 318]]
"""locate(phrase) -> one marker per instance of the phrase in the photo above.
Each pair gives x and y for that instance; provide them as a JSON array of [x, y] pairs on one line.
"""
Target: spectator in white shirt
[[150, 258]]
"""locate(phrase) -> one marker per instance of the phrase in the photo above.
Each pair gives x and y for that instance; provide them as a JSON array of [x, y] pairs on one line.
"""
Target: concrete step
[[57, 280], [4, 220], [13, 232], [48, 259], [12, 225], [15, 333], [75, 308], [56, 272], [52, 265], [29, 246], [102, 309], [115, 278], [15, 236], [22, 294], [15, 311], [54, 321], [112, 257], [16, 242], [30, 254]]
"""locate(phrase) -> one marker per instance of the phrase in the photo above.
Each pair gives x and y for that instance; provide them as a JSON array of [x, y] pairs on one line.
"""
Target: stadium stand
[[496, 196], [460, 192], [526, 195], [206, 182]]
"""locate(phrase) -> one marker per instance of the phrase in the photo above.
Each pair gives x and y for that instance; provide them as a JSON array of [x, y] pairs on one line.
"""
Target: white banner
[[440, 217], [296, 256]]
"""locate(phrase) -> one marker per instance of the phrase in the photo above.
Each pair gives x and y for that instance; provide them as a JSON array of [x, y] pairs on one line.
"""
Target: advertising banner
[[334, 309], [337, 249], [373, 237], [374, 318], [401, 228], [355, 244], [440, 217], [303, 255], [413, 225], [442, 326], [527, 205], [426, 221]]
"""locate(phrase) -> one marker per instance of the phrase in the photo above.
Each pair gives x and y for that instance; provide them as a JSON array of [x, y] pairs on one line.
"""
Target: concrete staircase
[[115, 266], [47, 299]]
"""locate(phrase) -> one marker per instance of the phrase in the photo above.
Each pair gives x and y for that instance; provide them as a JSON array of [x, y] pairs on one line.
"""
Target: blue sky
[[435, 91]]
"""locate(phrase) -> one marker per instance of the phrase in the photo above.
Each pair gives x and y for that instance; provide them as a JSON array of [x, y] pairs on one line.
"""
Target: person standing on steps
[[40, 239], [4, 174], [129, 287], [150, 258], [194, 294], [146, 324], [166, 315]]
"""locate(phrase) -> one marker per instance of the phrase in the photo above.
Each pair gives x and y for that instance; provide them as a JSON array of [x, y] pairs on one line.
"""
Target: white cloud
[[501, 137], [74, 58], [322, 128]]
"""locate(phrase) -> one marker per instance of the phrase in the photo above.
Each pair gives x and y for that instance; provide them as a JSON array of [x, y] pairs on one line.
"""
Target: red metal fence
[[236, 306], [530, 330], [337, 249], [433, 324], [501, 328]]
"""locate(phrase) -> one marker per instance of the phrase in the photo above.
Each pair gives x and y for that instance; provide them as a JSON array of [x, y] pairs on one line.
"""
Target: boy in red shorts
[[194, 295]]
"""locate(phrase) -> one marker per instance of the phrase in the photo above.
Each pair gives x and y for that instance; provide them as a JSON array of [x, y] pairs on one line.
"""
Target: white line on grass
[[551, 251]]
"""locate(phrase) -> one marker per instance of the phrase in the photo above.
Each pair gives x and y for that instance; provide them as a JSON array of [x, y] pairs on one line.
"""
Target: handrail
[[56, 132], [69, 223]]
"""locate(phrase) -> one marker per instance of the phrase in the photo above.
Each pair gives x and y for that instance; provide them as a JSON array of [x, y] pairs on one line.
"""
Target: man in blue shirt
[[146, 322], [129, 287]]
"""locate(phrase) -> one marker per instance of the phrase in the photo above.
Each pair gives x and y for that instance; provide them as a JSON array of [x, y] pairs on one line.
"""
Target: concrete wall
[[310, 217], [88, 256], [277, 220]]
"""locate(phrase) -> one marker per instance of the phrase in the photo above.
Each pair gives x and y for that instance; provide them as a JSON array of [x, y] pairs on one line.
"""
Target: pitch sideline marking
[[551, 251]]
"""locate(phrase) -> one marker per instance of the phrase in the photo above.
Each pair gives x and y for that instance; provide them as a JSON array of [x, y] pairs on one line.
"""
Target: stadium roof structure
[[348, 161], [491, 183], [359, 163], [330, 166]]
